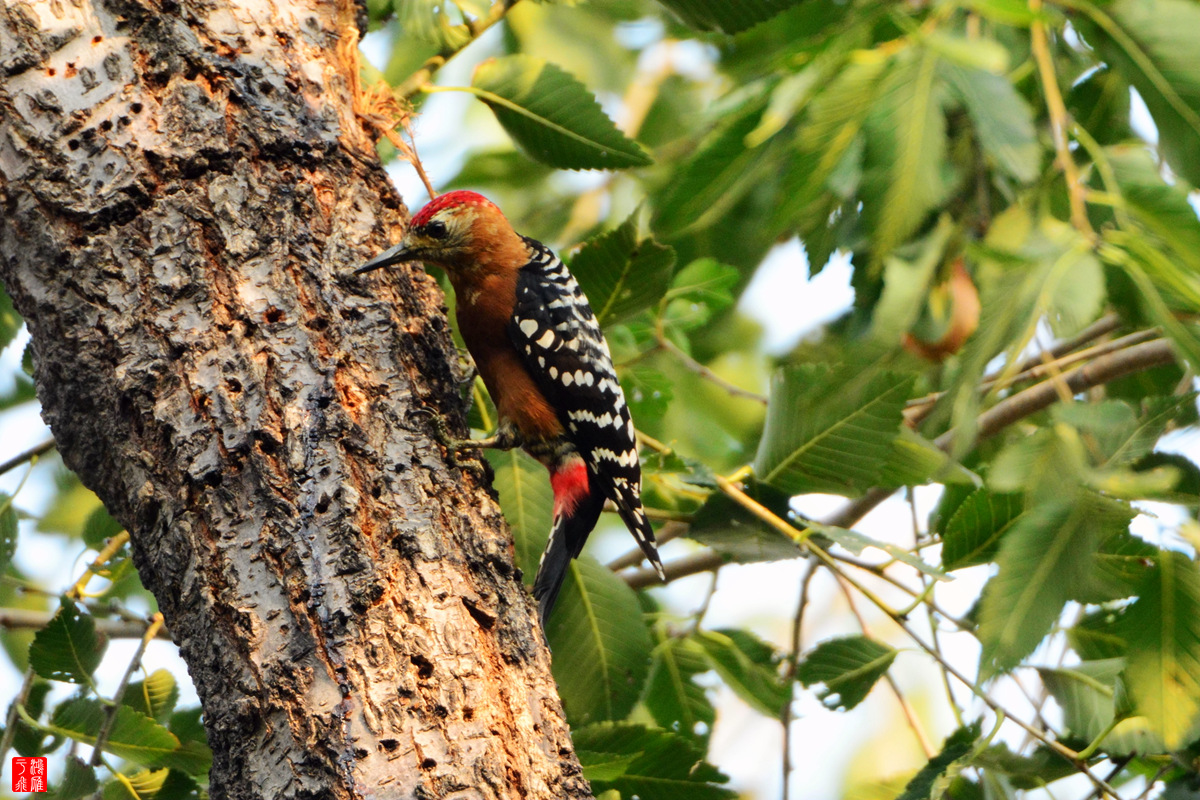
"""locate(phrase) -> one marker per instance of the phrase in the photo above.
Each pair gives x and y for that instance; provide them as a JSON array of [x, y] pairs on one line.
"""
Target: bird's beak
[[394, 255]]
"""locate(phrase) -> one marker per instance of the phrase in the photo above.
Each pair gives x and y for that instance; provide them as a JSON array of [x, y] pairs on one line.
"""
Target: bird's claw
[[454, 447]]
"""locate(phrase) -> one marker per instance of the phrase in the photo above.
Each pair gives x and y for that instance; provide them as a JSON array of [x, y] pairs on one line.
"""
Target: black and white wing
[[563, 348]]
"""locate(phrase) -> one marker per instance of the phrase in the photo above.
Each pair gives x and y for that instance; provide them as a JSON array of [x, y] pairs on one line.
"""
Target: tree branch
[[1103, 370]]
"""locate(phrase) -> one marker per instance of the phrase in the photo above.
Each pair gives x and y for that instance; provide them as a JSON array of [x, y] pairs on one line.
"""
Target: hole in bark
[[428, 763], [352, 314], [51, 71], [73, 144], [234, 385], [265, 87], [122, 121], [389, 744], [136, 108], [468, 714], [106, 126], [274, 314], [423, 665], [268, 444], [323, 401], [323, 505], [483, 618], [97, 39], [361, 754], [440, 712], [317, 324], [376, 491]]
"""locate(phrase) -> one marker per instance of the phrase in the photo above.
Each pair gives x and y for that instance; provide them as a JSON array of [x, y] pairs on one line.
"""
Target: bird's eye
[[436, 229]]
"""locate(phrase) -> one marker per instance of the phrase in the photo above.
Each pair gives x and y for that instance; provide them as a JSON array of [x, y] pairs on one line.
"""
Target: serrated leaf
[[1096, 638], [133, 736], [957, 745], [600, 642], [672, 696], [714, 179], [749, 666], [1162, 629], [830, 430], [78, 780], [905, 164], [552, 115], [527, 500], [916, 461], [646, 763], [1151, 43], [1047, 558], [621, 272], [848, 667], [1139, 440], [27, 740], [727, 16], [1041, 550], [905, 281], [1001, 118], [68, 648], [974, 531], [155, 696]]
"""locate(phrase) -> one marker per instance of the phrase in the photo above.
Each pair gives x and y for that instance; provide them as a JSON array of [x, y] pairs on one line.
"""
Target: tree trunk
[[186, 189]]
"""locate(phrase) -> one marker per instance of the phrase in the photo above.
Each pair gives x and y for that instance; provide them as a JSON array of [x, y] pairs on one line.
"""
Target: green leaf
[[552, 115], [916, 461], [1096, 638], [8, 531], [600, 642], [27, 740], [830, 430], [672, 696], [646, 763], [1044, 552], [133, 736], [78, 780], [705, 188], [142, 784], [1085, 693], [155, 696], [99, 528], [68, 648], [905, 167], [749, 666], [1162, 629], [621, 272], [956, 747], [1161, 208], [848, 667], [10, 320], [727, 527], [974, 531], [727, 16], [1001, 118], [856, 542], [1152, 44], [527, 500]]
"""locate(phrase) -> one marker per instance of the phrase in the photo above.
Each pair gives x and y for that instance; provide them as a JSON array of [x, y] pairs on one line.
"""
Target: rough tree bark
[[185, 188]]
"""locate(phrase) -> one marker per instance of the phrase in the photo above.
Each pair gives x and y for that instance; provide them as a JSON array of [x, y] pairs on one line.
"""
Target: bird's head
[[459, 231]]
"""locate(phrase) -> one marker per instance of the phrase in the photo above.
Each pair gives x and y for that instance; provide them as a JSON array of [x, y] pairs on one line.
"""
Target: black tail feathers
[[567, 537]]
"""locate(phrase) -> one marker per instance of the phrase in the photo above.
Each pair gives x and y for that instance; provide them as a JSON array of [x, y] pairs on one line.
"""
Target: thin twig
[[14, 619], [156, 622], [1059, 122], [413, 83], [704, 372], [790, 673], [28, 455], [10, 722], [672, 530]]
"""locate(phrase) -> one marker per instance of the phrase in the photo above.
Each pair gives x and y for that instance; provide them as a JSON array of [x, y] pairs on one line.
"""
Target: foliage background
[[1005, 185]]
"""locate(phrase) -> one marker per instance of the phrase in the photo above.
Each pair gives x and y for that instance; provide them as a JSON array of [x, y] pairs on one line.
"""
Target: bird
[[543, 358]]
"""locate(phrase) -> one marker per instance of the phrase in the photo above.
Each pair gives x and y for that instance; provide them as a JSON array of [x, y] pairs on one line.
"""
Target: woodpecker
[[544, 360]]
